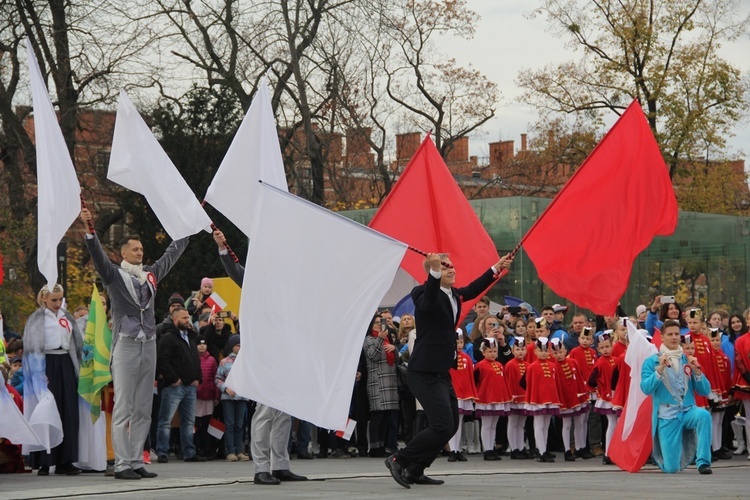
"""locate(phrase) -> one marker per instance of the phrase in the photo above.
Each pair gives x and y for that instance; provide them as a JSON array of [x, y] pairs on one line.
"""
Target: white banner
[[313, 281], [139, 163], [58, 191], [254, 155], [13, 426]]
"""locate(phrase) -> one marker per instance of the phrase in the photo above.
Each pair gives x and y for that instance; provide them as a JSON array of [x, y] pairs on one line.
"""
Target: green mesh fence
[[703, 263]]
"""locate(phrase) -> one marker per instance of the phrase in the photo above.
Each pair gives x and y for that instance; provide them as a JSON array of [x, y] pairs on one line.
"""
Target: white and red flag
[[632, 441], [216, 428], [216, 302]]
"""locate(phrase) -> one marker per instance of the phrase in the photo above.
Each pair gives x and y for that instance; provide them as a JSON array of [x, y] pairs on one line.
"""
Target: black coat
[[435, 347], [176, 360]]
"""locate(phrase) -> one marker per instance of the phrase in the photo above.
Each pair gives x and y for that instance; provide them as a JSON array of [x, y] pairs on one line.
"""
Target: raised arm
[[483, 282], [106, 269], [162, 266], [234, 270], [425, 297]]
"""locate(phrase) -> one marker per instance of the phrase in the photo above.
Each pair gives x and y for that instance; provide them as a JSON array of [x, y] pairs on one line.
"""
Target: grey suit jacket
[[235, 270], [129, 315]]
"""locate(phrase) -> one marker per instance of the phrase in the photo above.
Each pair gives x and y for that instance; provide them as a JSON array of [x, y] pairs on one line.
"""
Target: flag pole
[[88, 223], [420, 252], [226, 245]]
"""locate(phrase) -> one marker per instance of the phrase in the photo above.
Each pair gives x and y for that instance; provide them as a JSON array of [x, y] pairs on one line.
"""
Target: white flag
[[254, 155], [13, 426], [313, 280], [58, 191], [139, 163]]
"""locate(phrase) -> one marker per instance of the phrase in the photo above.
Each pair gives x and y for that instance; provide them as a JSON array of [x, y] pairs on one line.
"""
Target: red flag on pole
[[584, 245], [426, 209]]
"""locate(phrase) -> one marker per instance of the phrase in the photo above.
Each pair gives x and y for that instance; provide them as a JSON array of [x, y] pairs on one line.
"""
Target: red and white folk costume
[[462, 377], [542, 397], [514, 371]]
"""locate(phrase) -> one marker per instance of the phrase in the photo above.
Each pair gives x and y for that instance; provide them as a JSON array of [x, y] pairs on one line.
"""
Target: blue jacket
[[651, 383], [17, 381], [653, 321]]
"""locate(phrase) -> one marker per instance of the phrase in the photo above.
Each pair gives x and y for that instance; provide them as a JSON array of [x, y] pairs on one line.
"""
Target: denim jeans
[[304, 435], [234, 416], [182, 398]]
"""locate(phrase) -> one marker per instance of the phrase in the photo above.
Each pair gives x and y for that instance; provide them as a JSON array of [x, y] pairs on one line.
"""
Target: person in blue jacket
[[681, 431], [660, 311]]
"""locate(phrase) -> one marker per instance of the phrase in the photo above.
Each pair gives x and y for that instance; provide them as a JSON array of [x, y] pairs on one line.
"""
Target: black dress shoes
[[422, 479], [67, 469], [705, 469], [287, 475], [397, 471], [144, 473], [265, 478], [126, 474]]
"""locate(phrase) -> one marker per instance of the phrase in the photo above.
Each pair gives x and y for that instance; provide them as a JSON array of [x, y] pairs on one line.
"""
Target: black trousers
[[435, 392]]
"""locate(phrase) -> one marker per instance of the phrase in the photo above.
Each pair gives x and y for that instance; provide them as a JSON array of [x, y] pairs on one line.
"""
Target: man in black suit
[[437, 310]]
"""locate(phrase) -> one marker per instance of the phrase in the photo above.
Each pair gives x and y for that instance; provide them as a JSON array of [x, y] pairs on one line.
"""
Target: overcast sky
[[507, 41]]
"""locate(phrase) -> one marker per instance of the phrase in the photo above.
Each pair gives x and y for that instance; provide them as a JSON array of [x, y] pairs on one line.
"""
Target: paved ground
[[367, 477]]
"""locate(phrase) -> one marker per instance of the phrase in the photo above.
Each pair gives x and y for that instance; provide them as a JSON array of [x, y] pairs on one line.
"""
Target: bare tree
[[83, 59], [437, 94]]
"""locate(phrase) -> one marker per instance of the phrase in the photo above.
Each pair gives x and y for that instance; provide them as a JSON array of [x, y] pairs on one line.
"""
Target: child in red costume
[[542, 397], [688, 347], [704, 352], [719, 406], [601, 380], [574, 398], [620, 382], [493, 397], [515, 370], [541, 330], [466, 392], [620, 340]]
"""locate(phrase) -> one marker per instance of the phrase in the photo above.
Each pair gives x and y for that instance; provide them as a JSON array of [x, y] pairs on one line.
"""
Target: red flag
[[585, 243], [427, 210], [656, 339], [632, 441]]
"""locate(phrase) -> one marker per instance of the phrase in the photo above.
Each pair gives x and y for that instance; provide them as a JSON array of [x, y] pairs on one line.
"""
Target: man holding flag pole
[[131, 287], [437, 312]]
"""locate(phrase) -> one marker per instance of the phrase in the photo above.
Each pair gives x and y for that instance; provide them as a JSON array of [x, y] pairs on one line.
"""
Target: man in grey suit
[[131, 287], [270, 427]]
